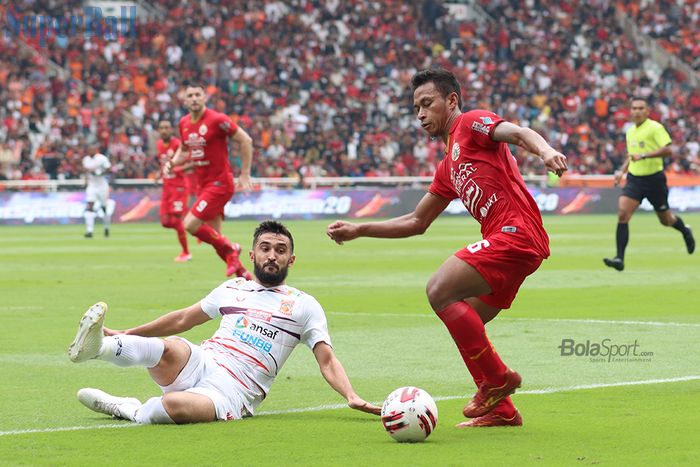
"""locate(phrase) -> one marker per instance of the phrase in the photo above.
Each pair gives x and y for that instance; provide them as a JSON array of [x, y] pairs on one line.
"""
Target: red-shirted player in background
[[471, 287], [205, 134], [173, 201]]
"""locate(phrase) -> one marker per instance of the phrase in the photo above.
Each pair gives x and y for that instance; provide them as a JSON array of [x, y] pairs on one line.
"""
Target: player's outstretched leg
[[118, 407], [88, 341]]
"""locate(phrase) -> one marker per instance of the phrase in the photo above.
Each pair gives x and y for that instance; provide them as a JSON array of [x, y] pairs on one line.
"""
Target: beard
[[267, 278]]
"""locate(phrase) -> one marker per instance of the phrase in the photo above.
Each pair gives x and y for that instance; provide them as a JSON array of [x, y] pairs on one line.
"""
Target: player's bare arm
[[665, 151], [169, 324], [179, 158], [246, 144], [334, 373], [408, 225], [621, 173], [531, 141]]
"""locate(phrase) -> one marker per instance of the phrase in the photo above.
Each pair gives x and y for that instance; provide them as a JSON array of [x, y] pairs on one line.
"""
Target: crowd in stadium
[[325, 90]]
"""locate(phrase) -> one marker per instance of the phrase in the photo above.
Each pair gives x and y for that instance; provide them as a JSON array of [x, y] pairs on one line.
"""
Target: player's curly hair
[[444, 81], [272, 227]]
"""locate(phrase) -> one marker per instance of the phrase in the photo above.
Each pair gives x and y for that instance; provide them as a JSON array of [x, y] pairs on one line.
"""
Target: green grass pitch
[[576, 411]]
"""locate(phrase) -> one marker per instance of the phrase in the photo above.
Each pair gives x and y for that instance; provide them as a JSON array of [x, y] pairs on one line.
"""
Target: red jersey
[[165, 153], [484, 175], [207, 142]]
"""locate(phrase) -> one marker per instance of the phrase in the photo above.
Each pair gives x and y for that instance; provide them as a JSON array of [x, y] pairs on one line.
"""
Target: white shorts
[[202, 375], [99, 193]]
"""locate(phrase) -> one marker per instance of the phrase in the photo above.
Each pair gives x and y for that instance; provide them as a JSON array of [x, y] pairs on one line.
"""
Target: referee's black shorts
[[652, 187]]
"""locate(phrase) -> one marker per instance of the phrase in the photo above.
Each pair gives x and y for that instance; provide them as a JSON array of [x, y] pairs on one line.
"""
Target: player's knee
[[177, 407], [435, 294], [667, 220], [624, 217]]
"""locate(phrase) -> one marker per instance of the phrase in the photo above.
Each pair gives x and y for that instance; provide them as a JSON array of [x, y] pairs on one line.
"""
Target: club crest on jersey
[[455, 151], [203, 129], [286, 307]]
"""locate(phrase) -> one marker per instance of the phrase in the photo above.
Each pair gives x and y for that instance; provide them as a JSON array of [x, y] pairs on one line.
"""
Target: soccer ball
[[409, 415]]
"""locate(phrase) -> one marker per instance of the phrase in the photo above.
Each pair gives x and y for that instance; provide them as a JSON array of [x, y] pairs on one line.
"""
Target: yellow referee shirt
[[643, 139]]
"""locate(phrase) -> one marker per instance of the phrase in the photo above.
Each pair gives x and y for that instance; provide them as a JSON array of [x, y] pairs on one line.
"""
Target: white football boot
[[88, 340], [118, 407]]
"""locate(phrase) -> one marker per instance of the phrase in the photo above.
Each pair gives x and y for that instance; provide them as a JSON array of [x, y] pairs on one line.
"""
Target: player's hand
[[168, 168], [244, 182], [341, 231], [555, 162], [618, 177], [637, 157], [362, 405]]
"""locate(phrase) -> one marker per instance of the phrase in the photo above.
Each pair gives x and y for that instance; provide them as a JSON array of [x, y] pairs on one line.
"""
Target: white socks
[[90, 221], [125, 350], [152, 411], [106, 219]]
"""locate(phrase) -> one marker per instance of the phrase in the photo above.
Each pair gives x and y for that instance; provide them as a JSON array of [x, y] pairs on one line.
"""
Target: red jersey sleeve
[[479, 124], [441, 185], [226, 125]]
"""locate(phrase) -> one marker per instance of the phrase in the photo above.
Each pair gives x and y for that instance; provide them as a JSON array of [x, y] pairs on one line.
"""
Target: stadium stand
[[325, 90]]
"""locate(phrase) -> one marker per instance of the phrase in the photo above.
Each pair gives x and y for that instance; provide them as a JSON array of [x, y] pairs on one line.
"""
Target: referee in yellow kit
[[648, 143]]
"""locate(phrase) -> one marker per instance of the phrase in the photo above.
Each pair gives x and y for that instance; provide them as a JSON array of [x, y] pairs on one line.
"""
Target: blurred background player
[[205, 134], [97, 189], [228, 375], [648, 143], [472, 286], [173, 202]]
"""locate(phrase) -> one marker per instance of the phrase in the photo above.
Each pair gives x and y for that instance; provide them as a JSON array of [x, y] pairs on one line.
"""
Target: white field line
[[319, 408], [553, 320]]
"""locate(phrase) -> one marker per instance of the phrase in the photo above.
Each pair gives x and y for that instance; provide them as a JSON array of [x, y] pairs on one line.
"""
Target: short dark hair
[[196, 84], [444, 81], [275, 228], [640, 98]]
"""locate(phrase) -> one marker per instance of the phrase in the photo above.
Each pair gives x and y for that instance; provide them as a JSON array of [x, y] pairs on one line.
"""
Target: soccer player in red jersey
[[173, 201], [471, 287], [205, 135]]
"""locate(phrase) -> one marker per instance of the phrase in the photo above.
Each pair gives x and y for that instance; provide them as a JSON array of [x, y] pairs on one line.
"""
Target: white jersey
[[259, 329], [96, 168]]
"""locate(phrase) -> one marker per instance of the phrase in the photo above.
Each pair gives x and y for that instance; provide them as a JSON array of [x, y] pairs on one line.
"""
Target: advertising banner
[[142, 205]]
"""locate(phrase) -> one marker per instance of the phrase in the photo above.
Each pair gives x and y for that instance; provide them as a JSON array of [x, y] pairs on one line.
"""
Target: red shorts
[[504, 261], [173, 200], [211, 201]]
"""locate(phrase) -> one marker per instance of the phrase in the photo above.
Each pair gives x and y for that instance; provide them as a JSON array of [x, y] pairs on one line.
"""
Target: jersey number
[[476, 246], [201, 206]]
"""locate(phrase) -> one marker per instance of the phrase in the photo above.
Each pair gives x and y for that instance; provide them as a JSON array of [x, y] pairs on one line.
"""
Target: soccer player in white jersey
[[228, 375], [96, 167]]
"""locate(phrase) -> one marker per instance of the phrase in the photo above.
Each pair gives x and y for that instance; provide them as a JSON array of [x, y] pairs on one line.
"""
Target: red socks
[[175, 222], [469, 334], [182, 237], [220, 243]]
